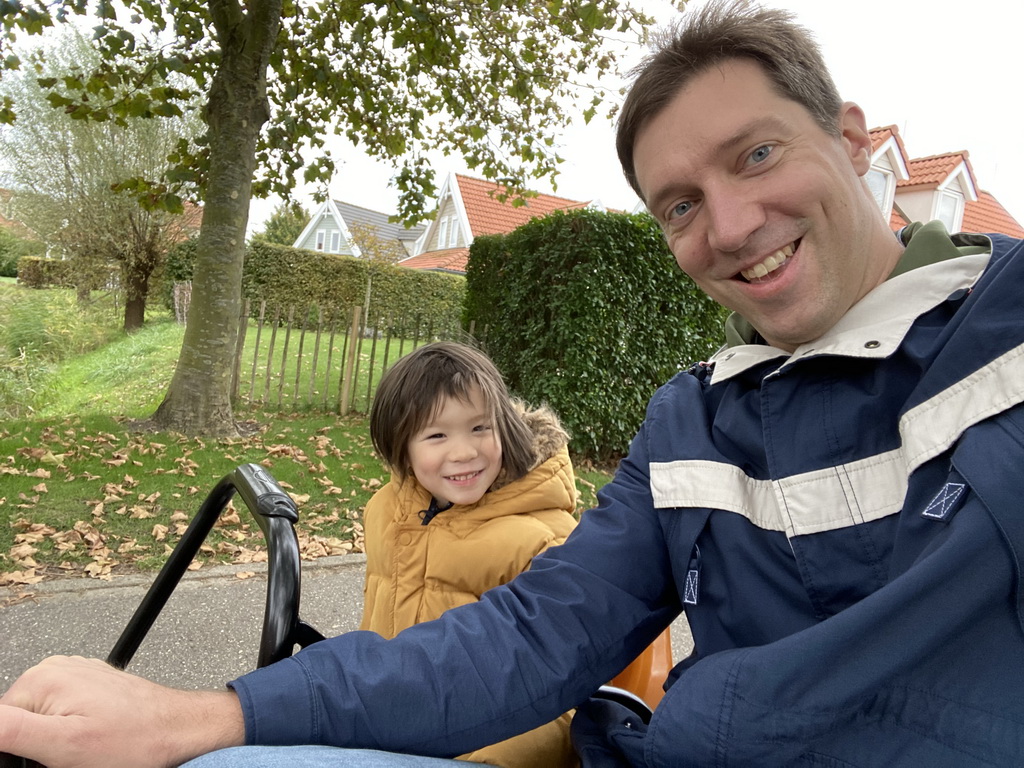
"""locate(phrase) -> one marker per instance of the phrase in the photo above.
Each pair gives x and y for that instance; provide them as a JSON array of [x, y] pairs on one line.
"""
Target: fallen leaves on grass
[[327, 527]]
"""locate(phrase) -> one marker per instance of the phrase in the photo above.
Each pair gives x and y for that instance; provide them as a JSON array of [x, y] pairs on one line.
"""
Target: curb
[[129, 581]]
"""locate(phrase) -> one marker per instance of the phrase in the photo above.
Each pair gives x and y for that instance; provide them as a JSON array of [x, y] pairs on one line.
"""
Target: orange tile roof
[[896, 220], [880, 135], [987, 215], [448, 260], [488, 216], [932, 171]]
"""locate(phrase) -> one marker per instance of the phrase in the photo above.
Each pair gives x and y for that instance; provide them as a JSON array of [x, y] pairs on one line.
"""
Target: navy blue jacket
[[842, 525]]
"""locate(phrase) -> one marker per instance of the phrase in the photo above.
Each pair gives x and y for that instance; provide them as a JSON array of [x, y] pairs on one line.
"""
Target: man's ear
[[855, 137]]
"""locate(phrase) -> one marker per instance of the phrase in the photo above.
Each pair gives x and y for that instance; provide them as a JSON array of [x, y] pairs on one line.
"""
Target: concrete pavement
[[208, 632]]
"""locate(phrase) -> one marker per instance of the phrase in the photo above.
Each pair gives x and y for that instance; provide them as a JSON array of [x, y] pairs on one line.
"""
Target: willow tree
[[59, 173], [492, 80]]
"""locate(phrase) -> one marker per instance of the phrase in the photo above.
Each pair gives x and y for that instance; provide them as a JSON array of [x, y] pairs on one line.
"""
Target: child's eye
[[482, 428]]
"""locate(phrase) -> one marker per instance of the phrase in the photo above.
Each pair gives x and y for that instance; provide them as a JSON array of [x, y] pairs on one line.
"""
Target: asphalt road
[[207, 634]]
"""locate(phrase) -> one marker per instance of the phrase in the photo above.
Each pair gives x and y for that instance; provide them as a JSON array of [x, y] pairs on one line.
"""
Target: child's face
[[457, 455]]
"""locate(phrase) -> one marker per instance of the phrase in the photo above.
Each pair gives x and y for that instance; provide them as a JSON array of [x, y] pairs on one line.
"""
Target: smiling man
[[761, 206], [834, 499]]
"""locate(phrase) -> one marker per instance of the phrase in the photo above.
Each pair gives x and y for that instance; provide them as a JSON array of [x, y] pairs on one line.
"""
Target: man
[[834, 499]]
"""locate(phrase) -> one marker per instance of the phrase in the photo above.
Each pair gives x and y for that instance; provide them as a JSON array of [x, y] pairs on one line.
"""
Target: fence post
[[350, 364], [316, 353], [284, 355], [298, 359], [236, 368], [270, 356], [330, 357], [256, 348]]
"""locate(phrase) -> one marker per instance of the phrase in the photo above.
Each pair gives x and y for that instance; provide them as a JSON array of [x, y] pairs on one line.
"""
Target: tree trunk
[[134, 314], [198, 400], [136, 292]]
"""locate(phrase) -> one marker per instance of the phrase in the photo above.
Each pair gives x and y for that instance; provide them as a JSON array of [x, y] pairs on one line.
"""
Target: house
[[338, 227], [939, 187], [467, 208], [9, 219]]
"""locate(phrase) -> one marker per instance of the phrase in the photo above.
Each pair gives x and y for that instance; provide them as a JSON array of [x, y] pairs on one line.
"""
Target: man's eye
[[681, 209], [760, 154]]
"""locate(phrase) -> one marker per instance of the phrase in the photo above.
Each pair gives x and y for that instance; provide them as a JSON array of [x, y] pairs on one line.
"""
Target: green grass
[[91, 475], [81, 491]]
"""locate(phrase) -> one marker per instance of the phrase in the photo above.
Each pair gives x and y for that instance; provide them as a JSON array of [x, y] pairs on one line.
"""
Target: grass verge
[[83, 493]]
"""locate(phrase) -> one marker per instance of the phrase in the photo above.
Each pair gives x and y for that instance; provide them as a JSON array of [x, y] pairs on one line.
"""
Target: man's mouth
[[758, 272]]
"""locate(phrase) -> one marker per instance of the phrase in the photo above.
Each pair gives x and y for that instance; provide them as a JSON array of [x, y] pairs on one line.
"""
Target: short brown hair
[[736, 29], [414, 389]]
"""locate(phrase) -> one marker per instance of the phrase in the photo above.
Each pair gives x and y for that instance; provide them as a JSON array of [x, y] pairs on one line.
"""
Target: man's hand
[[70, 712]]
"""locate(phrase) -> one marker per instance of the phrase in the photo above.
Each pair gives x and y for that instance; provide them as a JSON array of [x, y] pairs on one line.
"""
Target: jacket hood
[[549, 437]]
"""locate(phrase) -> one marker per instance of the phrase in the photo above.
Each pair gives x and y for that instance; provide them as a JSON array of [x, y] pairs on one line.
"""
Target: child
[[479, 486]]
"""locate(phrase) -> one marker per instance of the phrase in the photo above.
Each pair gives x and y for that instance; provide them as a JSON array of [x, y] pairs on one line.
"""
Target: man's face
[[760, 206]]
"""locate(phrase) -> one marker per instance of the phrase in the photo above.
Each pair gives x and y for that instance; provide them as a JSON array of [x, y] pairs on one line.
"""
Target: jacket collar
[[933, 266]]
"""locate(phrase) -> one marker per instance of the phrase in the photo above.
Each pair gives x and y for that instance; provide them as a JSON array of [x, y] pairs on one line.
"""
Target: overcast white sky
[[946, 72]]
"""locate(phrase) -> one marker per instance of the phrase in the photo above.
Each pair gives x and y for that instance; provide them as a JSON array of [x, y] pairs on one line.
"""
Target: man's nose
[[733, 216]]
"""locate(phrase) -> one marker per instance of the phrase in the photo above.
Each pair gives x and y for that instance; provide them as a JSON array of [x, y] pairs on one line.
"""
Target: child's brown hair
[[414, 389]]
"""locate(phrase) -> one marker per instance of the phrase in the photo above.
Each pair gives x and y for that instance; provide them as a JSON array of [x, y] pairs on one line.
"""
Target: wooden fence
[[314, 358]]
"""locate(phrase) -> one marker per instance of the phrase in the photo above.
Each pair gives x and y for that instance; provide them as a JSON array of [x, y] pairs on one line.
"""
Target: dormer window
[[442, 231], [453, 233], [950, 209], [882, 183]]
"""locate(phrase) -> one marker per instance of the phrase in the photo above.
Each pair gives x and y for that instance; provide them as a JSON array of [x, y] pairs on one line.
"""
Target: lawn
[[84, 492]]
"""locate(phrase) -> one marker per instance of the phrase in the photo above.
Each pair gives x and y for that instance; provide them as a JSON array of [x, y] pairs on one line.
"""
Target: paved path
[[207, 634]]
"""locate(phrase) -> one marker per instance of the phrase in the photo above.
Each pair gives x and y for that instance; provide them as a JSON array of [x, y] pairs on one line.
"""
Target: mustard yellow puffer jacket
[[416, 572]]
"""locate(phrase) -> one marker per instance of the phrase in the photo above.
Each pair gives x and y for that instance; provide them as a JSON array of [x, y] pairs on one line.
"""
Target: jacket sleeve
[[522, 656]]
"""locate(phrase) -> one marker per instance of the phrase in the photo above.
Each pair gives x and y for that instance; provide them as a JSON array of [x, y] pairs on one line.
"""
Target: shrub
[[398, 296], [588, 312], [13, 248], [39, 272]]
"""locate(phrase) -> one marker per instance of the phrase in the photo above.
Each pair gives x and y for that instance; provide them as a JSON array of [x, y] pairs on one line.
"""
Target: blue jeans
[[314, 757]]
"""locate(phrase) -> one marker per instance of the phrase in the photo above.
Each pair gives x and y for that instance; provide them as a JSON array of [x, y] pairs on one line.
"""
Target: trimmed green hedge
[[13, 249], [589, 313], [40, 272], [408, 301], [399, 296]]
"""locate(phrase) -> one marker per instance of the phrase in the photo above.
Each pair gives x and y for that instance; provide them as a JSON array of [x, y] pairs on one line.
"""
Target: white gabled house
[[939, 187], [330, 230]]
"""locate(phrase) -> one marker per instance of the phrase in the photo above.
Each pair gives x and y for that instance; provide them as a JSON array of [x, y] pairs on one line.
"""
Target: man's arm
[[71, 711]]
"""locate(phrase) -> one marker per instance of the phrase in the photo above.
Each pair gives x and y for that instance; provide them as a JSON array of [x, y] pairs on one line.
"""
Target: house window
[[453, 234], [442, 232], [950, 209], [882, 183], [335, 241], [321, 237]]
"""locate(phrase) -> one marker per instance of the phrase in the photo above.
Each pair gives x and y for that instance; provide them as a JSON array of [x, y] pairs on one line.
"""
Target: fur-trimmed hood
[[549, 436]]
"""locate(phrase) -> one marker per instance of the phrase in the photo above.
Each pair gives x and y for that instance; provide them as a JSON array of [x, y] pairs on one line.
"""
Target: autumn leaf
[[28, 576]]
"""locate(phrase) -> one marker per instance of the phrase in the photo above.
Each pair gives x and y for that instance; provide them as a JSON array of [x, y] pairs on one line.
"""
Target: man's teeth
[[770, 264]]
